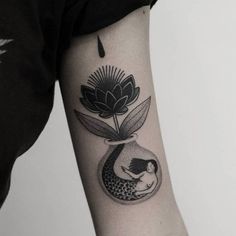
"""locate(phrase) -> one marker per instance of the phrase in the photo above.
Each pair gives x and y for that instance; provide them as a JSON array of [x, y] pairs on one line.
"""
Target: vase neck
[[125, 141]]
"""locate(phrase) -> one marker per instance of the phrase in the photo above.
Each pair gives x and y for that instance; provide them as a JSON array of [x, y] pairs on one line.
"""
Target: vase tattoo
[[128, 173]]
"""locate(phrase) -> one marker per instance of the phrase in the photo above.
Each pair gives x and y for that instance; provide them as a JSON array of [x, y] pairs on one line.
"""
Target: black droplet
[[101, 49]]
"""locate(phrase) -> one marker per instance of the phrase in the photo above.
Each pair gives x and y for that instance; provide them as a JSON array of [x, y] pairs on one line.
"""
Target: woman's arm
[[132, 175], [126, 46]]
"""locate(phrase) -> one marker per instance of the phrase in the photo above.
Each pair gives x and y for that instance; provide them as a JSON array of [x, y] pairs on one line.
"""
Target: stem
[[116, 123]]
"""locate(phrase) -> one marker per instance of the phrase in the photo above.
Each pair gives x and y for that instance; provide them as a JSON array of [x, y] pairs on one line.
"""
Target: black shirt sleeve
[[98, 14], [87, 16]]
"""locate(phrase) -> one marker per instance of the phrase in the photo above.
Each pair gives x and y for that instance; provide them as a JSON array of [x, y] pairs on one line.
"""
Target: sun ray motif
[[106, 75]]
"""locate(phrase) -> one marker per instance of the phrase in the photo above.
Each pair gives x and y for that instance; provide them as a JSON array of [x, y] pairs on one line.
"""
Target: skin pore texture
[[113, 120]]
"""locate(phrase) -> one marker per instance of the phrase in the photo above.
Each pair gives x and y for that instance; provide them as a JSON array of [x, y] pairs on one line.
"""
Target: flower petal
[[102, 107], [122, 111], [128, 79], [120, 104], [90, 97], [100, 95], [85, 89], [117, 91], [105, 115], [110, 99], [135, 96], [128, 90], [88, 106]]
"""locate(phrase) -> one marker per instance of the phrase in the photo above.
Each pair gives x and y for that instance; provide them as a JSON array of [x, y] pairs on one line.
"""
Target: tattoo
[[128, 173], [101, 50], [3, 42]]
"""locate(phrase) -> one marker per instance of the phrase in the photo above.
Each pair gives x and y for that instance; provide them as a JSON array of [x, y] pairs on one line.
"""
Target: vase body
[[123, 187]]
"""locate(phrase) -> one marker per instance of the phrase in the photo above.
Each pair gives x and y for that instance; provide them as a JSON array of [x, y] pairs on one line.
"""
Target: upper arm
[[126, 45]]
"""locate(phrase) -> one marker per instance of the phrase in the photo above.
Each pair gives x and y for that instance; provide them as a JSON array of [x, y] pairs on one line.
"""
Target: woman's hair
[[139, 165]]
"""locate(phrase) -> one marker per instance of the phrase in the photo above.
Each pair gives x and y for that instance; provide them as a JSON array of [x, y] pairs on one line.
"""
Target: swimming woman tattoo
[[128, 173], [101, 50]]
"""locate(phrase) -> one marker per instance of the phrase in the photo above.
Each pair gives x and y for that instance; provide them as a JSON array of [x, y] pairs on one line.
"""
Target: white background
[[193, 45]]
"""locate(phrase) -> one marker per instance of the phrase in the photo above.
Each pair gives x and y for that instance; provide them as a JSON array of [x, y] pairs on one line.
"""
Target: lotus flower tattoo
[[110, 93], [128, 173]]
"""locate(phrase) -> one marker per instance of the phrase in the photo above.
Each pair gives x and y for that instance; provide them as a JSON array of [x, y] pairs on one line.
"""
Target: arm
[[132, 175], [126, 44]]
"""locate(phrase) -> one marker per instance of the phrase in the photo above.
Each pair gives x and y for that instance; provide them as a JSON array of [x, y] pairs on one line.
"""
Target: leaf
[[96, 126], [135, 119]]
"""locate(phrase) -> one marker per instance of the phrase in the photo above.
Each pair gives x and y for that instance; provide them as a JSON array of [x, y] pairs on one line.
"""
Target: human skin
[[126, 45]]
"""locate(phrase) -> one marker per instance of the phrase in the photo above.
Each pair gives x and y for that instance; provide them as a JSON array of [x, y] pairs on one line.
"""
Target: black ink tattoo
[[3, 42], [128, 173], [101, 50]]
